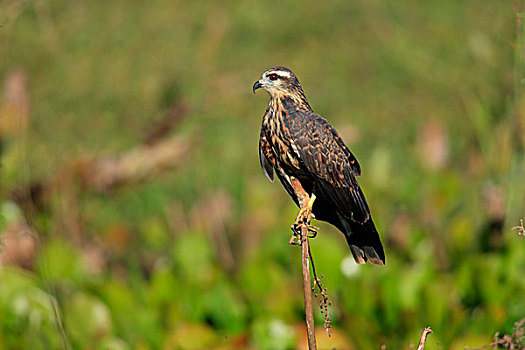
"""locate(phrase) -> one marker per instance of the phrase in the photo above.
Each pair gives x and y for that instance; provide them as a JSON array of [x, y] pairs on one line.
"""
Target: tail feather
[[364, 242], [363, 239]]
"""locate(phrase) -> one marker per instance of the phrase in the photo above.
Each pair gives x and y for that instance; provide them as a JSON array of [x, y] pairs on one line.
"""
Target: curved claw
[[312, 230], [292, 240], [295, 243]]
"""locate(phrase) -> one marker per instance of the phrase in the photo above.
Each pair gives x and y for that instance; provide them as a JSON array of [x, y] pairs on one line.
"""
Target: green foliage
[[272, 334], [59, 263], [428, 95], [28, 319], [87, 318]]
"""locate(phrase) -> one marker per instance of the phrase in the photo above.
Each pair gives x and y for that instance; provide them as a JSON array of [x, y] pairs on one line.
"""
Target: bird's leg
[[305, 212], [303, 218], [306, 203]]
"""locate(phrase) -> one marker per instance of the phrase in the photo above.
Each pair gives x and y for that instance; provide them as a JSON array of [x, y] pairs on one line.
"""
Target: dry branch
[[134, 165], [307, 287], [102, 174], [513, 342], [423, 338], [520, 228]]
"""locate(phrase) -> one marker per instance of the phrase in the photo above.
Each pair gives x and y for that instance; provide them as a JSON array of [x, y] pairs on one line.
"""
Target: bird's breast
[[277, 125]]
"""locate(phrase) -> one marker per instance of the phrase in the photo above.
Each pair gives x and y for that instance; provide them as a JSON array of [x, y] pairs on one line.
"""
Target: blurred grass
[[427, 95]]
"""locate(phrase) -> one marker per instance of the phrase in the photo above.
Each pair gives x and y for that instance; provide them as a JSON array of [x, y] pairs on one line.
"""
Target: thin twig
[[309, 314], [505, 341], [423, 339], [520, 228], [514, 341], [324, 302]]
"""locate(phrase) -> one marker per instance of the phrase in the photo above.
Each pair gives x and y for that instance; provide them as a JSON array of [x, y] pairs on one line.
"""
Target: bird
[[314, 165]]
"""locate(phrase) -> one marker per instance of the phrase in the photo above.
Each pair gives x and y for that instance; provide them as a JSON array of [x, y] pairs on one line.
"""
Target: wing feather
[[266, 157], [333, 167]]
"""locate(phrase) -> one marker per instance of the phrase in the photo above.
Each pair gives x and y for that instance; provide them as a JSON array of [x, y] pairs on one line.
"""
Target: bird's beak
[[257, 85]]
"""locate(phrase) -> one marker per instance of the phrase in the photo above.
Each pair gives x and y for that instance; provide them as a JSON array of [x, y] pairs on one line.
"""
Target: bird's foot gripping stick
[[296, 229], [303, 218]]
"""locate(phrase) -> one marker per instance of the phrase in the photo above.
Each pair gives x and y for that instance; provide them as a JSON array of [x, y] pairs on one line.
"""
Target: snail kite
[[314, 165]]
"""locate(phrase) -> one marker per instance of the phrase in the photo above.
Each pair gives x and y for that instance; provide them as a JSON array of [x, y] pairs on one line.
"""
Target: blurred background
[[134, 213]]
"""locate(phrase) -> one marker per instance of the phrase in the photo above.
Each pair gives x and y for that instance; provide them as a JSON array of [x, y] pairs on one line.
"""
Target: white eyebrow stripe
[[282, 73]]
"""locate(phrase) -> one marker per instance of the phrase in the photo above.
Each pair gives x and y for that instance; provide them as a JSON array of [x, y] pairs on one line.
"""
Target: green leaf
[[87, 319]]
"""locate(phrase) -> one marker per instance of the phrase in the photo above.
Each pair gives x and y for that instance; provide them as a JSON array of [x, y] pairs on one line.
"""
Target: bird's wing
[[266, 156], [332, 166]]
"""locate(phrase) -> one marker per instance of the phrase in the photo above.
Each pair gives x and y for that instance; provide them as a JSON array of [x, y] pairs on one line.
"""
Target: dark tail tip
[[368, 254]]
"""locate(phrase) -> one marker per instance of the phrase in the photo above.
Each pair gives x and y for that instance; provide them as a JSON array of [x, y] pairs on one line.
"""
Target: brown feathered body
[[309, 157]]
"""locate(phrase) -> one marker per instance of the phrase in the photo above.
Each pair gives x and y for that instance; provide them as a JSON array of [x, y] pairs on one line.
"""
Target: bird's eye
[[273, 76]]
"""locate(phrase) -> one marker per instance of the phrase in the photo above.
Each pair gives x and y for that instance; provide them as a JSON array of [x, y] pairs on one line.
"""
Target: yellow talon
[[303, 217], [304, 213], [310, 204]]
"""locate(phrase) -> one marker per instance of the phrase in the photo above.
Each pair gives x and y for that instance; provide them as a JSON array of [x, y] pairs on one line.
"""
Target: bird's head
[[279, 81]]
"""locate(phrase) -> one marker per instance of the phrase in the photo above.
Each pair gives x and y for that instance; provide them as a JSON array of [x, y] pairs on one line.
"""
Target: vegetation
[[107, 246]]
